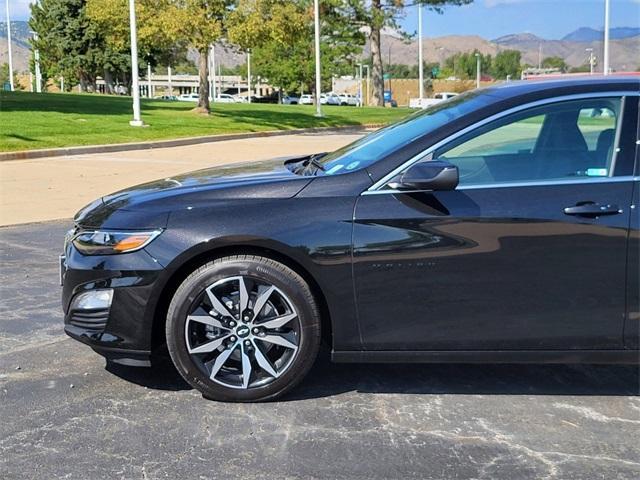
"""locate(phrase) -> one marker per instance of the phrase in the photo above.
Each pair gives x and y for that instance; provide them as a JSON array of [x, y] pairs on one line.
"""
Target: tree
[[69, 44], [158, 41], [280, 33], [4, 77], [463, 65], [200, 23], [507, 63], [385, 13], [555, 62], [276, 29], [165, 29]]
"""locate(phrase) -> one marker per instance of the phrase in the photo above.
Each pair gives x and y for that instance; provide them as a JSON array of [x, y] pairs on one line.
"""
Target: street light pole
[[368, 80], [135, 87], [149, 95], [606, 36], [591, 60], [360, 92], [11, 85], [539, 56], [477, 70], [212, 72], [316, 25], [249, 76], [36, 61], [169, 80], [420, 60]]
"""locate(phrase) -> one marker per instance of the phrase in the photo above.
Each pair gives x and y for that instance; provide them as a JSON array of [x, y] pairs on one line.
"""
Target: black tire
[[262, 269]]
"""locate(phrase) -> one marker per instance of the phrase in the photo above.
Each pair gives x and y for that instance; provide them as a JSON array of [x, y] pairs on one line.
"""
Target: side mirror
[[428, 175]]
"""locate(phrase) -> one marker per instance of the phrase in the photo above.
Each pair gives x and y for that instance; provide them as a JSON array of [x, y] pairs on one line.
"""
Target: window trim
[[376, 188]]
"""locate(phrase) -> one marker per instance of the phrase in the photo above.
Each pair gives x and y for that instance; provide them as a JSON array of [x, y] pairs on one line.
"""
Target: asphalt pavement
[[64, 414]]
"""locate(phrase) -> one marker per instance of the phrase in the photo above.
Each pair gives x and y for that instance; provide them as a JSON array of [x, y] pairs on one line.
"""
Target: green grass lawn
[[31, 121]]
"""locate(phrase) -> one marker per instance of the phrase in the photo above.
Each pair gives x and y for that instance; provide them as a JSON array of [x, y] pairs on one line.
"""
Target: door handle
[[592, 210]]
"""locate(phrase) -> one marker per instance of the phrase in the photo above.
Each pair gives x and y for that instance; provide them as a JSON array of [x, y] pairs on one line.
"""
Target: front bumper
[[123, 332]]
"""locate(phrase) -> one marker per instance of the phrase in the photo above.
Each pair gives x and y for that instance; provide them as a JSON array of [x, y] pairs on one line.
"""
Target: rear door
[[528, 253]]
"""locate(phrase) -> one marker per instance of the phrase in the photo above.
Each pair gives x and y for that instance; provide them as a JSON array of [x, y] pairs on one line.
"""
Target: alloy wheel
[[242, 332]]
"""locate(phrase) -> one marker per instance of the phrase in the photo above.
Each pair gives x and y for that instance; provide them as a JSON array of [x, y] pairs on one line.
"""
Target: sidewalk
[[57, 187]]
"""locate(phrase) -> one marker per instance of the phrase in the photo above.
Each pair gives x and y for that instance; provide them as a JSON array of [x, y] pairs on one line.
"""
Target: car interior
[[559, 141]]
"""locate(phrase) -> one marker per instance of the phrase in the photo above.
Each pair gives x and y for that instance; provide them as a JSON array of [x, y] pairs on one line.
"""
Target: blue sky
[[545, 18], [493, 18]]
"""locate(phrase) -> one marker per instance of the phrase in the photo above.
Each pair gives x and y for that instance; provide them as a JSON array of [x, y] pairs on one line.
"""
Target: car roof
[[581, 84]]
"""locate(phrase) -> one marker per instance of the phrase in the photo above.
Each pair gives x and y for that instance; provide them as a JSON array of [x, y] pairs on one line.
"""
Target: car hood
[[153, 200]]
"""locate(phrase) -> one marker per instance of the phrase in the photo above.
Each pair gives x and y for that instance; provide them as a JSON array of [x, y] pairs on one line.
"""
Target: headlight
[[104, 242]]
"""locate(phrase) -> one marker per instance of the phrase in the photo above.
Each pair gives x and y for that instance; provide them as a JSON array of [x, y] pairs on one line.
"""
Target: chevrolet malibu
[[499, 226]]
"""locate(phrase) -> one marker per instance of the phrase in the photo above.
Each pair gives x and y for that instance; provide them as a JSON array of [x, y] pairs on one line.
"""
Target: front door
[[529, 252]]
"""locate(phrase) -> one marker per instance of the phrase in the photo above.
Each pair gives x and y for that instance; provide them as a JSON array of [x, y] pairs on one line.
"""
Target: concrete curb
[[178, 142]]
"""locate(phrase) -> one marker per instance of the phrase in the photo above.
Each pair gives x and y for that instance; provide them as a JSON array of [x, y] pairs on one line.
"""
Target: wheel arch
[[179, 273]]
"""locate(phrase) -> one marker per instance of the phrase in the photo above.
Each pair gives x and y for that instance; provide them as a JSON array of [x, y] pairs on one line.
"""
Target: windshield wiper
[[303, 167], [313, 161]]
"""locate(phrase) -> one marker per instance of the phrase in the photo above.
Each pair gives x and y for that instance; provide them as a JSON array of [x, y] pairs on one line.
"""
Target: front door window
[[559, 141]]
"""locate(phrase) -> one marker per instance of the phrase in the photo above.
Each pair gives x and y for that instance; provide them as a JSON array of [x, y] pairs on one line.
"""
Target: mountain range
[[586, 34], [625, 45]]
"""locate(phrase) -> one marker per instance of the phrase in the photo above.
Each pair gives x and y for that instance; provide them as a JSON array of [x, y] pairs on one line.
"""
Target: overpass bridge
[[179, 84]]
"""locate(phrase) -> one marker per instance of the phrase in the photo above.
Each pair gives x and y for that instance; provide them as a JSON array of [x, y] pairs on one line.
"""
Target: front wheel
[[243, 328]]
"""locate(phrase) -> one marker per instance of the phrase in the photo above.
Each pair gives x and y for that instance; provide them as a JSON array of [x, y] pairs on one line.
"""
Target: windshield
[[387, 140]]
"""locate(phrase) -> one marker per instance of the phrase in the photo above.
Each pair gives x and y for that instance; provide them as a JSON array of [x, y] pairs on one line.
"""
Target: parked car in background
[[188, 97], [226, 98], [271, 98], [427, 102], [290, 100], [306, 99], [330, 98], [348, 99], [168, 98]]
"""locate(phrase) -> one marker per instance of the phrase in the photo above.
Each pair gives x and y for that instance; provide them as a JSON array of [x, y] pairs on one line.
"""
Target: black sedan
[[499, 226]]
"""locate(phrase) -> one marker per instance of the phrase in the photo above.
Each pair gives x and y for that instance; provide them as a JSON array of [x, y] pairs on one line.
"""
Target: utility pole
[[477, 70], [135, 87], [420, 59], [249, 76], [11, 85], [316, 25], [606, 36]]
